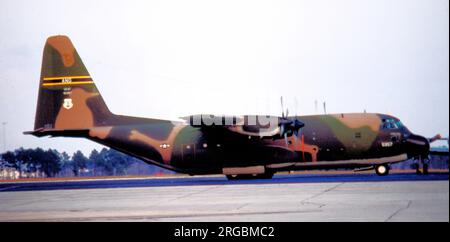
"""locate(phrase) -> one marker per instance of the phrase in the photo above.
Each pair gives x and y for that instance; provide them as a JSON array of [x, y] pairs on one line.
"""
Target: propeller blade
[[296, 106], [285, 139], [289, 126]]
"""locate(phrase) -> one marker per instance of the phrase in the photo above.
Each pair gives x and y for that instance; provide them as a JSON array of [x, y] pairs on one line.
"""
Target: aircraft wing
[[250, 125]]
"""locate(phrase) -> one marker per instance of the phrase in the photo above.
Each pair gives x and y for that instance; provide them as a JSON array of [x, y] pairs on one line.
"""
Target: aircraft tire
[[232, 177], [425, 169], [240, 177], [382, 170], [417, 168], [268, 175]]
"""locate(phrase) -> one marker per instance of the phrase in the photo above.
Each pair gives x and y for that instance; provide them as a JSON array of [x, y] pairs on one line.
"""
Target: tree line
[[51, 163]]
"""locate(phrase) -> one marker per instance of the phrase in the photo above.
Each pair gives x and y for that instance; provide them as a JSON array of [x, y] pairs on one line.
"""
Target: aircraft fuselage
[[326, 141]]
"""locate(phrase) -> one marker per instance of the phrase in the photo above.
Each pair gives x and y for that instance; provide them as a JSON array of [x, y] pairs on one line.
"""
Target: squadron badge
[[67, 104]]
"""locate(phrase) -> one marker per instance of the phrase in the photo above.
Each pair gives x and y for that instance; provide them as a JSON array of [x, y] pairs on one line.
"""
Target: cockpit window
[[391, 123], [399, 124]]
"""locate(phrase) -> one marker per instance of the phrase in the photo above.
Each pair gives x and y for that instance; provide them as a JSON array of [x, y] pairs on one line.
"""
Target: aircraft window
[[390, 124], [399, 124]]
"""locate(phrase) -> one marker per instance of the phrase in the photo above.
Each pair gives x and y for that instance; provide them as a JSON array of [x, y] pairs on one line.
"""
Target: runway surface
[[213, 180], [352, 197]]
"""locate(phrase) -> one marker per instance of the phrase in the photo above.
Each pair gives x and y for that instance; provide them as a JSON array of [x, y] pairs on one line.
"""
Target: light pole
[[4, 135]]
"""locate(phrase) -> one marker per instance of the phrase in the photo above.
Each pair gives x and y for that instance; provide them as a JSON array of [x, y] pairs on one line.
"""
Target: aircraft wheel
[[241, 177], [267, 175], [425, 169], [416, 166], [232, 177], [382, 170]]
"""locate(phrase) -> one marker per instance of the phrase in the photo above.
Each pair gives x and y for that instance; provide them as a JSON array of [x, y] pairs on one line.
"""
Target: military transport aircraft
[[250, 146]]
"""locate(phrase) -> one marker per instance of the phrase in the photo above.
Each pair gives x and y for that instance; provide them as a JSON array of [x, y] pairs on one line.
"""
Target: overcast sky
[[168, 59]]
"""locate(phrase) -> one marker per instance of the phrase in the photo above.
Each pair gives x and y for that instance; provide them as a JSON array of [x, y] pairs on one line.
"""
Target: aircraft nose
[[417, 146]]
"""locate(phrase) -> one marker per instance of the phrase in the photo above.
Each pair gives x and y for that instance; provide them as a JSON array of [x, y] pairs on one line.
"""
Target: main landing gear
[[425, 166], [382, 170], [267, 175]]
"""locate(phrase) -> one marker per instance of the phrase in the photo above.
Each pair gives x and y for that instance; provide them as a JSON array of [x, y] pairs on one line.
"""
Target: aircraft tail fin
[[68, 98]]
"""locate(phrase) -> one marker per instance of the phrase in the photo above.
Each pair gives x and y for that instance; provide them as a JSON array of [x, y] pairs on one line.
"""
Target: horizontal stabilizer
[[56, 133]]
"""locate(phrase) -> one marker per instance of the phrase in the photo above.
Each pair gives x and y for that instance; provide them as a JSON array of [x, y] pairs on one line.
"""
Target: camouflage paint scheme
[[69, 104]]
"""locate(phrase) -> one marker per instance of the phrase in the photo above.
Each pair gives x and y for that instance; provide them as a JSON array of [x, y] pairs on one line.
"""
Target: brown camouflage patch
[[79, 115], [100, 132], [64, 47]]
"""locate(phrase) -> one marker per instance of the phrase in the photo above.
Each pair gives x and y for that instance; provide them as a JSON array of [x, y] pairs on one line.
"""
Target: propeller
[[289, 126], [282, 107]]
